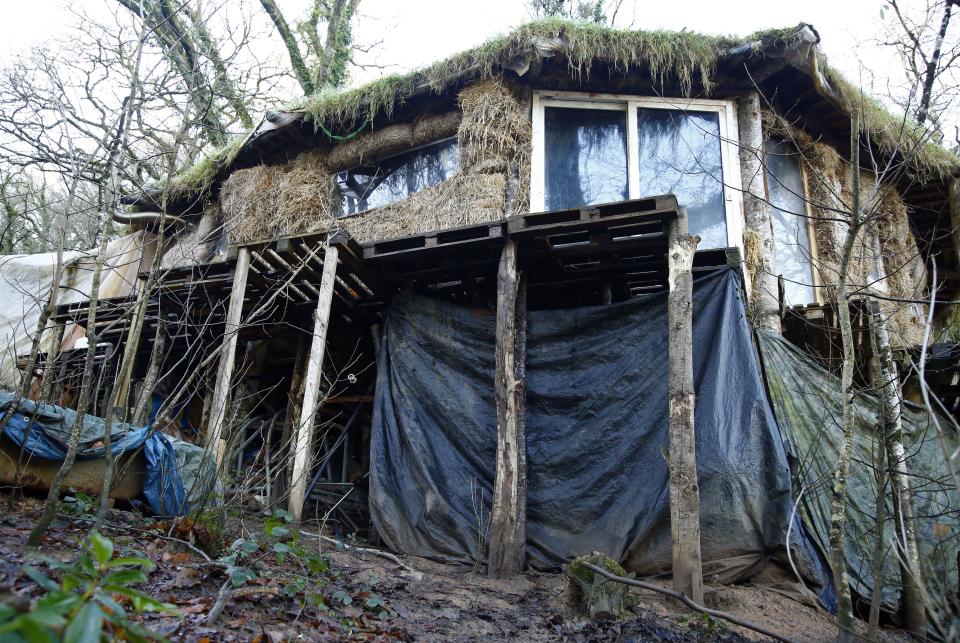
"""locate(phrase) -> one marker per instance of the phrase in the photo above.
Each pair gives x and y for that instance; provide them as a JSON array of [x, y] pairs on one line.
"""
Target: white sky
[[416, 32]]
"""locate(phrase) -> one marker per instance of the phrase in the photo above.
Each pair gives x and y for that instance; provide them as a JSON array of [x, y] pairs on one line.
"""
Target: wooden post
[[508, 529], [757, 216], [684, 489], [121, 393], [221, 390], [954, 201], [303, 441]]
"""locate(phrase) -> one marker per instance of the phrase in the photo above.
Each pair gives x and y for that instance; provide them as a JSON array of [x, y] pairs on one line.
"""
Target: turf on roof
[[684, 57]]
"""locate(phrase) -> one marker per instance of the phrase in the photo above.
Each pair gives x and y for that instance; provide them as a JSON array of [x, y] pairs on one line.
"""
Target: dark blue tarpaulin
[[596, 435], [163, 487]]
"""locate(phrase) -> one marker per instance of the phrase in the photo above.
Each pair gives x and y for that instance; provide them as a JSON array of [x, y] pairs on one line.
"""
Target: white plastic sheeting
[[25, 282]]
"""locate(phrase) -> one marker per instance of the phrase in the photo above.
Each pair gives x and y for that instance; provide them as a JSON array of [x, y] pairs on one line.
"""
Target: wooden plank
[[684, 488], [303, 440], [508, 514], [221, 390]]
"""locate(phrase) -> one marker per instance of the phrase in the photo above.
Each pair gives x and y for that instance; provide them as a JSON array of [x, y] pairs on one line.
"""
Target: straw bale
[[464, 199], [906, 275], [199, 243], [435, 127], [265, 202], [496, 132], [494, 123], [371, 146]]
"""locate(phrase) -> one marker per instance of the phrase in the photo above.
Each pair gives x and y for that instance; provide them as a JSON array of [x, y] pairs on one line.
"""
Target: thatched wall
[[269, 201], [199, 244], [829, 182], [462, 200], [493, 132]]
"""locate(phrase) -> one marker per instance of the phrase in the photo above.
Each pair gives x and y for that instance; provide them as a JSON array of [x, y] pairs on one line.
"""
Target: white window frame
[[729, 145]]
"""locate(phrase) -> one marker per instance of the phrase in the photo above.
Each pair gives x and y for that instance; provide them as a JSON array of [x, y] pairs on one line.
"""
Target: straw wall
[[829, 183], [493, 133]]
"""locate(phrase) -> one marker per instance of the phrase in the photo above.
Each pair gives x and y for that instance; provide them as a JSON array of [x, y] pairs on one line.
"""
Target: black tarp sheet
[[596, 435]]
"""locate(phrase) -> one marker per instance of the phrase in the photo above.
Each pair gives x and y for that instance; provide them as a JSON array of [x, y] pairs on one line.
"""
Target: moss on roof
[[686, 58], [197, 179], [892, 133]]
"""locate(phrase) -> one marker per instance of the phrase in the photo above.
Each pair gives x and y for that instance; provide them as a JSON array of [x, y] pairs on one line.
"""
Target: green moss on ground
[[592, 595]]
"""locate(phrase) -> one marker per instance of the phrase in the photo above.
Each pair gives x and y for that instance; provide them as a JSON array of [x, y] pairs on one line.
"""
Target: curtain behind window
[[680, 155], [585, 157], [791, 234]]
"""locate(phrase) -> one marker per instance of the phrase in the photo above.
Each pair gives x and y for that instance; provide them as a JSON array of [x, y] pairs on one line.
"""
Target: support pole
[[953, 198], [311, 387], [508, 530], [221, 390], [758, 228], [684, 489], [121, 394]]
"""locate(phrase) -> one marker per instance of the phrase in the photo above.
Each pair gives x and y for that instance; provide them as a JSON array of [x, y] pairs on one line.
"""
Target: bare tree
[[921, 34]]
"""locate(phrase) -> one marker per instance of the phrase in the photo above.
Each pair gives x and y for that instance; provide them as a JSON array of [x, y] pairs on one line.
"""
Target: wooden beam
[[303, 441], [684, 489], [228, 351], [508, 530], [121, 393]]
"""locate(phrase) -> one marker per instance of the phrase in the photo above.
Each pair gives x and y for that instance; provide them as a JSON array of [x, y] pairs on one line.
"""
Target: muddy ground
[[361, 596]]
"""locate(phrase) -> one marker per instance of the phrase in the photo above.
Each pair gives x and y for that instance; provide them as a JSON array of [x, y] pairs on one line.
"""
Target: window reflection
[[585, 157], [398, 177], [791, 235], [680, 155]]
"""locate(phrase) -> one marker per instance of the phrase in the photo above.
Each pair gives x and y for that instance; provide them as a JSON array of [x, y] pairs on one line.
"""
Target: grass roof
[[686, 58]]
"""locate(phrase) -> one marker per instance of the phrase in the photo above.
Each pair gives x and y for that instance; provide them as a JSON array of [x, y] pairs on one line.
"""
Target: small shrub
[[86, 604]]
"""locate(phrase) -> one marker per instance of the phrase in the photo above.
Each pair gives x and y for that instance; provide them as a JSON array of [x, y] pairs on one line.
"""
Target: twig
[[115, 527], [736, 620], [225, 593], [368, 550]]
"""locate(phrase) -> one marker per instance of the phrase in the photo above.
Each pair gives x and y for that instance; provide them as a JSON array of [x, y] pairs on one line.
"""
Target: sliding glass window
[[596, 149]]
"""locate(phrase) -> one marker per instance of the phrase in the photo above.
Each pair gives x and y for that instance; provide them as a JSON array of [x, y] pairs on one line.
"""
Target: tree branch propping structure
[[694, 605]]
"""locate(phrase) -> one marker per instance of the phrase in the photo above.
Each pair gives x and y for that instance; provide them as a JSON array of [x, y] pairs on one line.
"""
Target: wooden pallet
[[531, 224], [453, 239]]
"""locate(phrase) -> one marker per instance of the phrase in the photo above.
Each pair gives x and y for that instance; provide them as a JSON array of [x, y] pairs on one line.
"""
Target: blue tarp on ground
[[596, 435], [163, 487]]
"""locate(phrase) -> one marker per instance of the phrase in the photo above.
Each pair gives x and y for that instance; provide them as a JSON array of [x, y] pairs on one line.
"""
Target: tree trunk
[[880, 498], [838, 505], [221, 391], [292, 46], [757, 217], [508, 529], [143, 405], [913, 603], [684, 489], [86, 389]]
